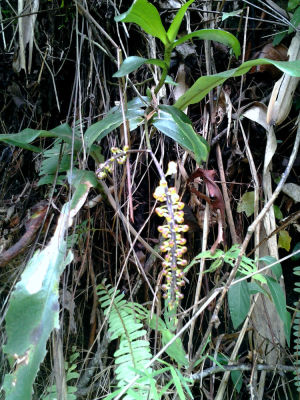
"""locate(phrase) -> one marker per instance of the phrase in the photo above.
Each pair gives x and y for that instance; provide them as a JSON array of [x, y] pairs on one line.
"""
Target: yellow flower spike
[[172, 168], [174, 197], [179, 219], [180, 205], [102, 175], [183, 249], [163, 183], [159, 212], [114, 150], [159, 196], [184, 228], [126, 148]]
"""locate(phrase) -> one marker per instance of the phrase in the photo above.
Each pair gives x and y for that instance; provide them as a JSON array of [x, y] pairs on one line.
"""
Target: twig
[[234, 235], [242, 367]]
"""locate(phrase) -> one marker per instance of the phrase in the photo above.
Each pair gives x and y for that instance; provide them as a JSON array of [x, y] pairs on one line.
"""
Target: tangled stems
[[174, 243]]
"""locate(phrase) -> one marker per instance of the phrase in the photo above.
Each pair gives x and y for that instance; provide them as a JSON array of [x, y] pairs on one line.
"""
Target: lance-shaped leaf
[[23, 138], [213, 34], [33, 313], [278, 297], [239, 303], [175, 25], [113, 120], [33, 310], [132, 63], [206, 83], [176, 125], [147, 17]]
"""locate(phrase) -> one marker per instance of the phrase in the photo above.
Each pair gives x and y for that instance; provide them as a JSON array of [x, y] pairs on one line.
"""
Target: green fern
[[134, 351], [296, 331], [51, 162], [70, 374]]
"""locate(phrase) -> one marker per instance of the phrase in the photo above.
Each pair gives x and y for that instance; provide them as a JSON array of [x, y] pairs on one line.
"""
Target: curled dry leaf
[[283, 92], [215, 200]]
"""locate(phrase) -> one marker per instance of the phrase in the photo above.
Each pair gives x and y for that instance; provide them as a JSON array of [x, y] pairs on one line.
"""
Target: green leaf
[[205, 84], [296, 257], [175, 350], [239, 303], [177, 126], [277, 212], [276, 269], [295, 20], [279, 37], [82, 181], [170, 81], [284, 240], [147, 17], [113, 119], [175, 25], [213, 34], [22, 139], [246, 204], [132, 63], [292, 4], [33, 311], [237, 379], [177, 383], [278, 297], [235, 13], [254, 288]]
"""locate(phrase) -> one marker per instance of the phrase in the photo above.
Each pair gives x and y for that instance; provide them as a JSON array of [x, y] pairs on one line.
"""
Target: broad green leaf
[[33, 312], [246, 204], [276, 269], [239, 303], [132, 63], [254, 288], [22, 139], [284, 240], [175, 350], [205, 84], [147, 17], [278, 297], [82, 181], [213, 34], [177, 126], [113, 119], [175, 25]]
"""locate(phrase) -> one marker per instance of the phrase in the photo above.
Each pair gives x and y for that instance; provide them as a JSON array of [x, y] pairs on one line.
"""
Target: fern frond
[[134, 350]]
